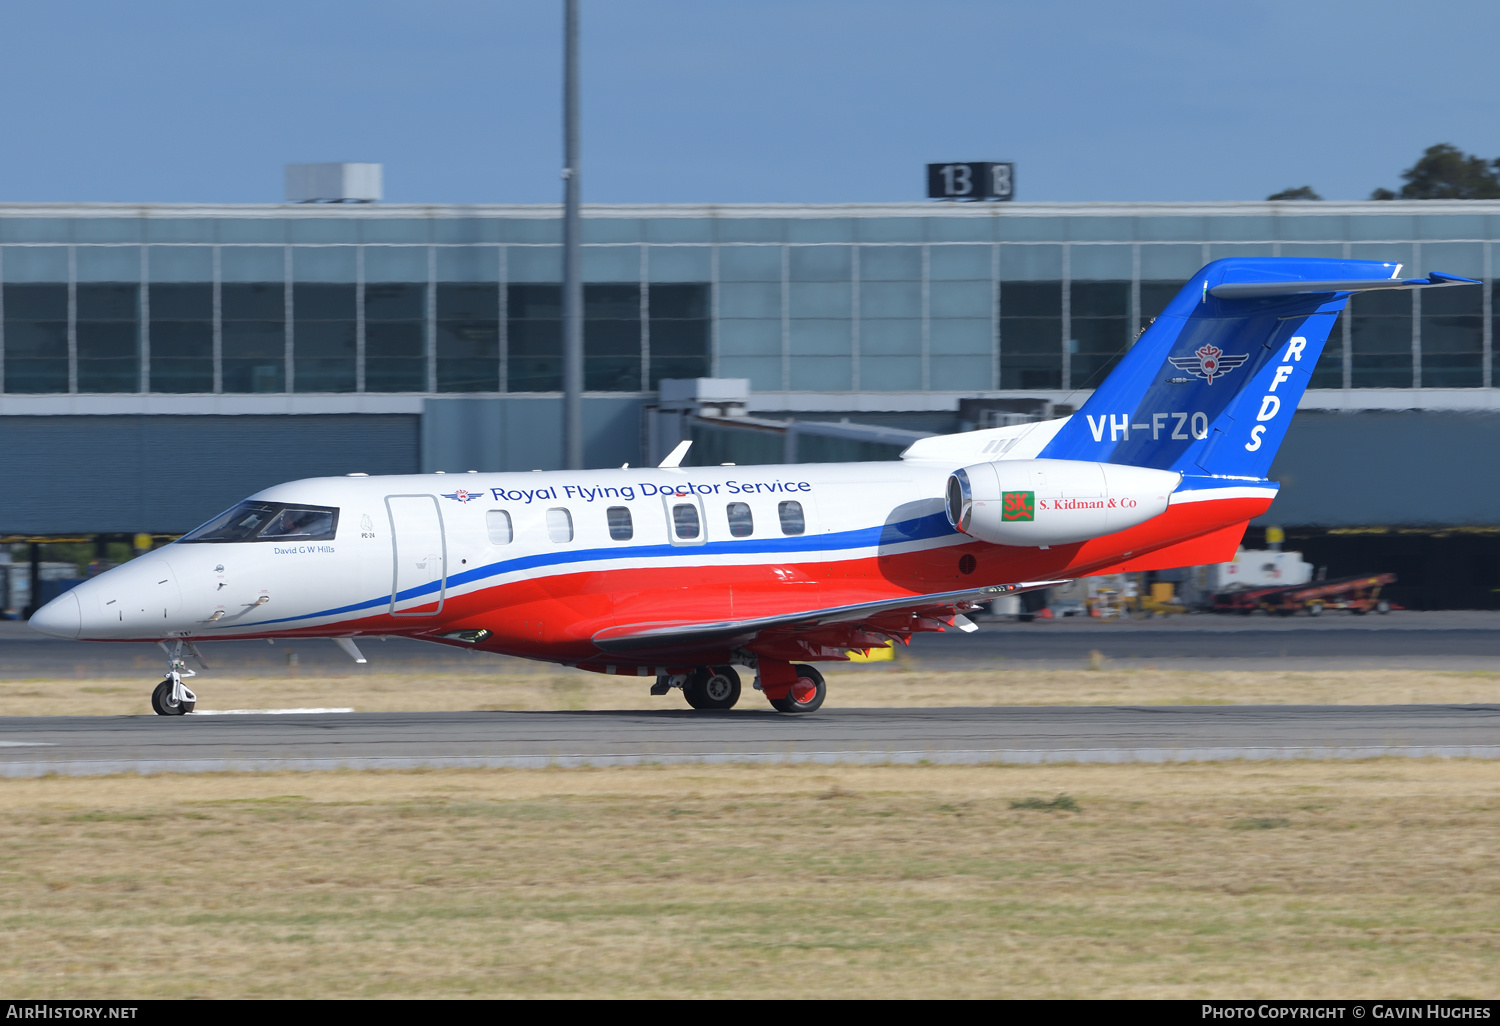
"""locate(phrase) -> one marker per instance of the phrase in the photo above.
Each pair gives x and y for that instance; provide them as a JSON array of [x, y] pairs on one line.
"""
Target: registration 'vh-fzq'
[[681, 574]]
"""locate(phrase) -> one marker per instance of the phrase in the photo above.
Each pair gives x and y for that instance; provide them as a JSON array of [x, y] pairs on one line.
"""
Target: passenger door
[[419, 555]]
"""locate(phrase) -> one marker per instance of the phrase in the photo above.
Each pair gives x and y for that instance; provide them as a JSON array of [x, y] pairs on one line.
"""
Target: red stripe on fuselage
[[553, 617]]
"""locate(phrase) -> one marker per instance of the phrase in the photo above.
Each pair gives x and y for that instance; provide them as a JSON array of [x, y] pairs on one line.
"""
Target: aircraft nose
[[61, 618]]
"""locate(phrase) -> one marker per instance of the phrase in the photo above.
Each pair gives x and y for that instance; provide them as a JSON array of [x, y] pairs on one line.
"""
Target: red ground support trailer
[[1357, 594]]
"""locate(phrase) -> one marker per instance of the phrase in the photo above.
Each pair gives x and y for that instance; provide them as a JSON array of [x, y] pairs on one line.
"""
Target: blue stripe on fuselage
[[919, 529]]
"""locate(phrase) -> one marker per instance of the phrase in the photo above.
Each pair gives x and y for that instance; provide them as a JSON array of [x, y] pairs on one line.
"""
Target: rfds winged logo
[[1208, 362], [462, 495]]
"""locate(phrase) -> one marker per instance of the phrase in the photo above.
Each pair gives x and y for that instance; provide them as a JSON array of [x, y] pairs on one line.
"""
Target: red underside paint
[[1215, 547], [553, 618]]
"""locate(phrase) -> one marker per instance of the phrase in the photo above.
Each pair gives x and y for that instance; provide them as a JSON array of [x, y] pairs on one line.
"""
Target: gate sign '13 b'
[[979, 180]]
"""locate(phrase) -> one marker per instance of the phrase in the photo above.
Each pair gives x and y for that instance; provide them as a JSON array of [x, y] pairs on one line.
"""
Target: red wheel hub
[[804, 690]]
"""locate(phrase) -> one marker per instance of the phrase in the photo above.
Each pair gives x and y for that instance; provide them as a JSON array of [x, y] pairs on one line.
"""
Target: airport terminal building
[[158, 362]]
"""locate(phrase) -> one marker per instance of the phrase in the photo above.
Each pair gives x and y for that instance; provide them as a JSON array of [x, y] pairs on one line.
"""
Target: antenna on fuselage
[[674, 458]]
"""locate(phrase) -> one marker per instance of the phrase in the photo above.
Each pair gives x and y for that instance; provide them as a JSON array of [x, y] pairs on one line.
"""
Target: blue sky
[[737, 101]]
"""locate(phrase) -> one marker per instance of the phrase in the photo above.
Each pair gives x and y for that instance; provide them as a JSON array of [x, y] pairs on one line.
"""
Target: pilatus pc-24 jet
[[681, 574]]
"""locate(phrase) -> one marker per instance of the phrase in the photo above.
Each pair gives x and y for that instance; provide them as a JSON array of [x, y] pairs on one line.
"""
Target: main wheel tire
[[1315, 609], [1382, 607], [162, 703], [807, 694], [713, 687]]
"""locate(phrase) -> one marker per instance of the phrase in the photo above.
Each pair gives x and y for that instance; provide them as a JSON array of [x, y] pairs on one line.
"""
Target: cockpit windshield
[[268, 521]]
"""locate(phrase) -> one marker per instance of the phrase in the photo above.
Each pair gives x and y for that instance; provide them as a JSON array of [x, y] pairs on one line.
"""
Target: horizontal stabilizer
[[1258, 289]]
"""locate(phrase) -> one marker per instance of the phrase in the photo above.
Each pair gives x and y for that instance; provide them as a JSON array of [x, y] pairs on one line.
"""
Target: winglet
[[674, 458]]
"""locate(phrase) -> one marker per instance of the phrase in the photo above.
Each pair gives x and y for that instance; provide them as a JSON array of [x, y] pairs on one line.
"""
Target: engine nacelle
[[1054, 502]]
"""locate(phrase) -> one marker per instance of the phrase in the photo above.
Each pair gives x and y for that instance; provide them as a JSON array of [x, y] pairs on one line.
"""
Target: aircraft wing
[[890, 618]]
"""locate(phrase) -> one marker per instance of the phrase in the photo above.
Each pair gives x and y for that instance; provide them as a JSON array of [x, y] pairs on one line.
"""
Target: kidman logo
[[462, 495], [1018, 505], [1208, 362]]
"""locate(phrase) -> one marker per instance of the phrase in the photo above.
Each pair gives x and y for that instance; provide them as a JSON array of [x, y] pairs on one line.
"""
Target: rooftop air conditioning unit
[[333, 183]]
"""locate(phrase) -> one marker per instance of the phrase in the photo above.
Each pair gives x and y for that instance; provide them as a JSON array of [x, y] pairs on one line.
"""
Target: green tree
[[1304, 192], [1446, 172]]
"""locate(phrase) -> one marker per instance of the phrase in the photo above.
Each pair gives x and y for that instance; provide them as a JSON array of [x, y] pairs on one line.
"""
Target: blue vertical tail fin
[[1211, 386]]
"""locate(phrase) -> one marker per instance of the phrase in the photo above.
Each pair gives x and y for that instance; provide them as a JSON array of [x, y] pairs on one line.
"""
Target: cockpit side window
[[268, 521], [297, 523]]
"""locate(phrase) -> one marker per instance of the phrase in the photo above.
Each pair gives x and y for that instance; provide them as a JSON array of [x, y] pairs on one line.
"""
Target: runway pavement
[[1458, 640], [38, 746], [1451, 640]]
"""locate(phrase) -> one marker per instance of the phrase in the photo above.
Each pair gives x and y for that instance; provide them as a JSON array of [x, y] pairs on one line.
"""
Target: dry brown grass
[[1231, 880], [872, 686]]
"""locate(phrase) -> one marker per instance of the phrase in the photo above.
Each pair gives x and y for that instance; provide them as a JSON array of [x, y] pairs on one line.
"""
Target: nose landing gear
[[172, 697]]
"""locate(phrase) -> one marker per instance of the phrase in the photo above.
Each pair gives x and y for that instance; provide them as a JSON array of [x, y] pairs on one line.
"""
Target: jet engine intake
[[1054, 502]]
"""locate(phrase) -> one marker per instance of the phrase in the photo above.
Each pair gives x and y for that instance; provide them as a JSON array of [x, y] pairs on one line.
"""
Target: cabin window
[[792, 520], [559, 524], [741, 523], [685, 520], [497, 521], [268, 521], [621, 527]]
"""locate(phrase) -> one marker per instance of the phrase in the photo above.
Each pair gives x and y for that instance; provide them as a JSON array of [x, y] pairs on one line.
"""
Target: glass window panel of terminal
[[108, 335], [395, 337], [1453, 337], [1494, 322], [612, 338], [1329, 372], [1031, 334], [253, 337], [323, 338], [1380, 340], [36, 338], [1155, 295], [181, 330], [533, 332], [468, 337], [1100, 329], [680, 330]]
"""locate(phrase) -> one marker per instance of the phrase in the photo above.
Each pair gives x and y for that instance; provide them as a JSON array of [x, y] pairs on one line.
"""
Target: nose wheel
[[172, 697]]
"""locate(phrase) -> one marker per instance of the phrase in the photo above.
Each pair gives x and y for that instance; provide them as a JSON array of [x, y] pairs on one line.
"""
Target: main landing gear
[[712, 687], [172, 697], [805, 694], [795, 688]]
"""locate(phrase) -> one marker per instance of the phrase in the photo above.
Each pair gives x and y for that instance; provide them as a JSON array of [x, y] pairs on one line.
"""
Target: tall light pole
[[572, 289]]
